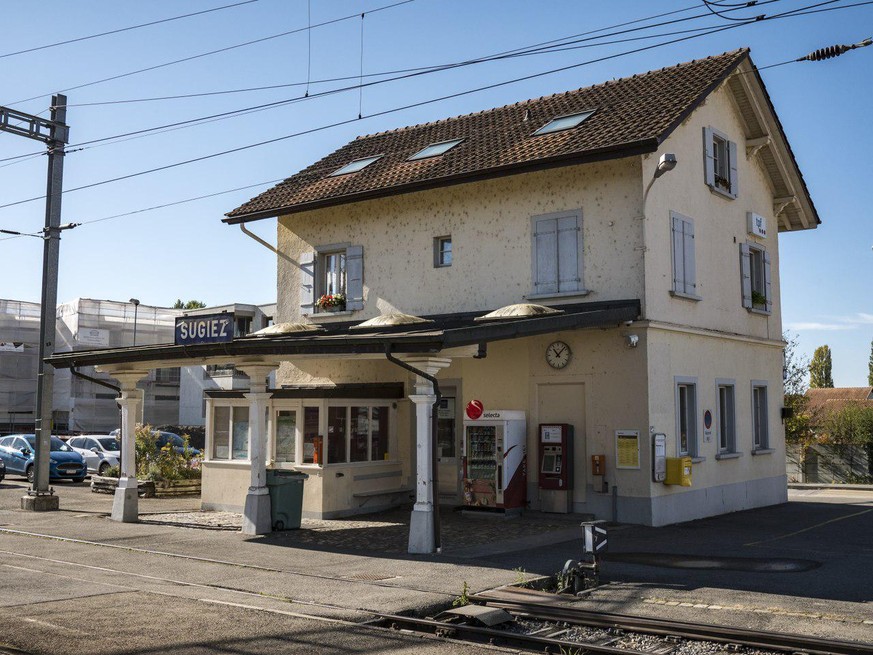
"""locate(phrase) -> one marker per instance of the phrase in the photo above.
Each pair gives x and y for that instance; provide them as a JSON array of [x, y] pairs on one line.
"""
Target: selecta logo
[[475, 409]]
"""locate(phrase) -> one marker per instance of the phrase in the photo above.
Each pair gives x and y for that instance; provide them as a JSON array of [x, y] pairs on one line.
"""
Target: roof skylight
[[435, 149], [563, 123], [355, 166]]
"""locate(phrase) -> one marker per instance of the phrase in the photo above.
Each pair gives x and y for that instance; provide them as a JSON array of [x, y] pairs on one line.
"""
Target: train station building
[[599, 267]]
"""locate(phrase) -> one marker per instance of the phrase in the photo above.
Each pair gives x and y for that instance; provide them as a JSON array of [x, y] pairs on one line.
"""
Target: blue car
[[17, 452]]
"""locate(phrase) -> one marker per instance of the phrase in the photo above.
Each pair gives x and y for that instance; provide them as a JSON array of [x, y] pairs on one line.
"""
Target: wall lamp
[[667, 162]]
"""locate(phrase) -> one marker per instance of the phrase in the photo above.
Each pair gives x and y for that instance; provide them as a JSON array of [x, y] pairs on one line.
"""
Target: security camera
[[632, 340]]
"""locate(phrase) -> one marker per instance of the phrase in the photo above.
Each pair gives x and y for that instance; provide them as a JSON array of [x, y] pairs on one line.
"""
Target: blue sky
[[185, 251]]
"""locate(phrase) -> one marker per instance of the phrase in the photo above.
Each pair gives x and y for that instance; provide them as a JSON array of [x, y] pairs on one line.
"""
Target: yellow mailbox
[[678, 471]]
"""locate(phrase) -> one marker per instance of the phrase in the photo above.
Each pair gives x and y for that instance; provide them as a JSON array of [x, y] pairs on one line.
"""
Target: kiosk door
[[448, 444]]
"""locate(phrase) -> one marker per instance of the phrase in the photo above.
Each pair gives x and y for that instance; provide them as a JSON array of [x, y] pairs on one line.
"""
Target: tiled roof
[[831, 400], [631, 116]]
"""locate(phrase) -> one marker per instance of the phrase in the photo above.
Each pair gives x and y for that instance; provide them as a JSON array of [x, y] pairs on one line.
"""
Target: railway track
[[556, 624]]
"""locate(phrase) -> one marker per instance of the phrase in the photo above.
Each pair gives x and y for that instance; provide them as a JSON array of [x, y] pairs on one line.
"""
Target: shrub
[[164, 464]]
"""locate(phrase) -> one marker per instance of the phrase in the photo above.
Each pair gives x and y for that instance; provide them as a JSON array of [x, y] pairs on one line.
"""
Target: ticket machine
[[555, 446]]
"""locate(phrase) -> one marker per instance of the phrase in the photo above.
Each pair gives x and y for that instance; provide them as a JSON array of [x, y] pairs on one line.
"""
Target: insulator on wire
[[833, 51]]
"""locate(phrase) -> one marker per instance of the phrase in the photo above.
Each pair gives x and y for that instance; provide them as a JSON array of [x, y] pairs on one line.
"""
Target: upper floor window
[[435, 149], [686, 416], [563, 123], [355, 166], [720, 157], [755, 271], [442, 252], [335, 270], [557, 254], [684, 266]]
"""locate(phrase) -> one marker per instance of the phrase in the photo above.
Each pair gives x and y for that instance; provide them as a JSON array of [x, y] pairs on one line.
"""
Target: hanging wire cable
[[833, 51], [208, 54], [710, 5], [361, 75], [308, 44], [124, 29], [791, 13]]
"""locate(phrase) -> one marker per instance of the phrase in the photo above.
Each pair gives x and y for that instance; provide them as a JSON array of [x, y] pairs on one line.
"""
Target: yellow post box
[[678, 471]]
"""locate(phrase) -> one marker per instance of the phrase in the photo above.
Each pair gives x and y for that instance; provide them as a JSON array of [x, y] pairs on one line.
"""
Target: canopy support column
[[125, 505], [257, 517]]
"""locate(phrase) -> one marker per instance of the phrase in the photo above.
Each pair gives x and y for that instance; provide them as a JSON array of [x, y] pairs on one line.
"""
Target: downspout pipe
[[434, 473]]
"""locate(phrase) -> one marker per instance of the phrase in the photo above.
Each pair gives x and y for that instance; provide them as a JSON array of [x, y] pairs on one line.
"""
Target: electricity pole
[[55, 133]]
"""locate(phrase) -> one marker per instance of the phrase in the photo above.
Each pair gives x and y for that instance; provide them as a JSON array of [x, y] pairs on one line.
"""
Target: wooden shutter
[[307, 282], [768, 291], [355, 277], [708, 157], [732, 160], [569, 278], [746, 275], [678, 255], [545, 252], [690, 262]]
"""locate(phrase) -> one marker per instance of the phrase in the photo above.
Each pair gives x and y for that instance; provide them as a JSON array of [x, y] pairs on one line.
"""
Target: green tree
[[820, 369], [870, 366], [191, 304], [799, 426]]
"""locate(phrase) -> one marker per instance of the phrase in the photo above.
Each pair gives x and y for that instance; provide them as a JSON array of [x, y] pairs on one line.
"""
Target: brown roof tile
[[831, 400], [631, 116]]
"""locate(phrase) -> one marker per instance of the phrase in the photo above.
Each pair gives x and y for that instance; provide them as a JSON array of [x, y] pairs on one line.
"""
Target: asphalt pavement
[[74, 580]]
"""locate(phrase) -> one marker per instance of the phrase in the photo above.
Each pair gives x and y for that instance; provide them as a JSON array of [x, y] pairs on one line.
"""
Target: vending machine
[[555, 445], [495, 460]]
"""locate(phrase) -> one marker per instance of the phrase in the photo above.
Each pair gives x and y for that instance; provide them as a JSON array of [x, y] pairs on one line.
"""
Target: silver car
[[100, 451]]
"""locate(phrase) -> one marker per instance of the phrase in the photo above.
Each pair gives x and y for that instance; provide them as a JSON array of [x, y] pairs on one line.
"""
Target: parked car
[[99, 451], [164, 438], [2, 470], [17, 452]]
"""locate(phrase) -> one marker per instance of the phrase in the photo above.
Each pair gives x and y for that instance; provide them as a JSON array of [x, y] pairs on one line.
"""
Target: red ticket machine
[[555, 446]]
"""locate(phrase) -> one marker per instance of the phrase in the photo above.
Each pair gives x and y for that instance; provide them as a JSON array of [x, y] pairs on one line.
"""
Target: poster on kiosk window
[[494, 460]]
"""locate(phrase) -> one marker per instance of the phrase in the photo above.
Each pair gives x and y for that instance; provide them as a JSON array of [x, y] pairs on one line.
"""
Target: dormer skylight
[[435, 149], [563, 123], [355, 166]]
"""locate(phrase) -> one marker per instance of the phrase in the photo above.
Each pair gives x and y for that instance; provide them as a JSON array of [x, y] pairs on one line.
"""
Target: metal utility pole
[[55, 133]]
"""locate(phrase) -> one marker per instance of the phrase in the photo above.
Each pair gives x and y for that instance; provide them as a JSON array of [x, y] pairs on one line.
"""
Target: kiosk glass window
[[221, 433], [286, 436], [336, 435], [240, 427], [379, 433], [360, 434], [311, 437], [446, 427]]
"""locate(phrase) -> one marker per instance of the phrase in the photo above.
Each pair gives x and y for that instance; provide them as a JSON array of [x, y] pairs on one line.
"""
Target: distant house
[[605, 258], [826, 462]]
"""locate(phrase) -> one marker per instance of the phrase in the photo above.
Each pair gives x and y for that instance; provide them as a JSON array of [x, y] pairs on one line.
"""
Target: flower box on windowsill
[[333, 308]]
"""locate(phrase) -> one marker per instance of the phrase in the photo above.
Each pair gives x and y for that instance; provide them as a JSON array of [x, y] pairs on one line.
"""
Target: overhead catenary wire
[[123, 29], [210, 53], [557, 45], [791, 13]]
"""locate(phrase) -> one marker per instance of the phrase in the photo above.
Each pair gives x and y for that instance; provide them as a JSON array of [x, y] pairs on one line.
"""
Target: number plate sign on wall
[[206, 328]]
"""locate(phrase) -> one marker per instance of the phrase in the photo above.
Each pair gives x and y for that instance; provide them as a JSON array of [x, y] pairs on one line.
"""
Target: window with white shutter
[[755, 277], [720, 163], [556, 254], [332, 278], [684, 262]]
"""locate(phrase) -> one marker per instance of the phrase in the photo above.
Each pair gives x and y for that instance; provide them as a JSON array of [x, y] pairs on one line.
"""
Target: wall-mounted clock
[[558, 354]]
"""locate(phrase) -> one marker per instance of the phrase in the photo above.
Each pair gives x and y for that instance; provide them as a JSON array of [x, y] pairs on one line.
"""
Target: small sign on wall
[[707, 426], [207, 328], [627, 449], [93, 337], [757, 225]]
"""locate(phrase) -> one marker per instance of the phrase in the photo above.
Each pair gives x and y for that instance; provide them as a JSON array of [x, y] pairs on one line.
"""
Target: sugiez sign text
[[209, 328]]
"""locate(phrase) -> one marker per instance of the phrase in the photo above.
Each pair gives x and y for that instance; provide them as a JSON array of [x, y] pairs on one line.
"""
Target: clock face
[[558, 354]]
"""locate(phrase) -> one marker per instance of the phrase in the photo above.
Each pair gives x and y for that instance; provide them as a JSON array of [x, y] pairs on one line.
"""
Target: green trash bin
[[286, 498]]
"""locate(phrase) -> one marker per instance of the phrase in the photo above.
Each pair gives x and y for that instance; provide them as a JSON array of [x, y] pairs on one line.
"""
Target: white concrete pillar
[[422, 538], [125, 505], [257, 513]]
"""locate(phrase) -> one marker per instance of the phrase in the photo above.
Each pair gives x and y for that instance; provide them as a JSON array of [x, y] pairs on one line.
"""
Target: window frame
[[714, 141], [574, 286], [755, 264], [439, 252], [546, 129], [689, 283], [450, 144], [350, 167], [760, 441], [691, 418], [231, 404], [726, 444]]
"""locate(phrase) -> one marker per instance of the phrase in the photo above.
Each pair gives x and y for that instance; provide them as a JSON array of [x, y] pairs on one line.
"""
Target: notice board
[[627, 449]]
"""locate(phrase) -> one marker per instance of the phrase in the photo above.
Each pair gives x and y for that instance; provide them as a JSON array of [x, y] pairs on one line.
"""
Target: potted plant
[[331, 302], [758, 299]]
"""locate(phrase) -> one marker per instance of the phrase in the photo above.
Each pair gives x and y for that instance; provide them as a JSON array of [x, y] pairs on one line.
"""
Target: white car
[[100, 451]]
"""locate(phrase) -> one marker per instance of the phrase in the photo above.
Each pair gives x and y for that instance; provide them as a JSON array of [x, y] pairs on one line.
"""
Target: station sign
[[204, 328]]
